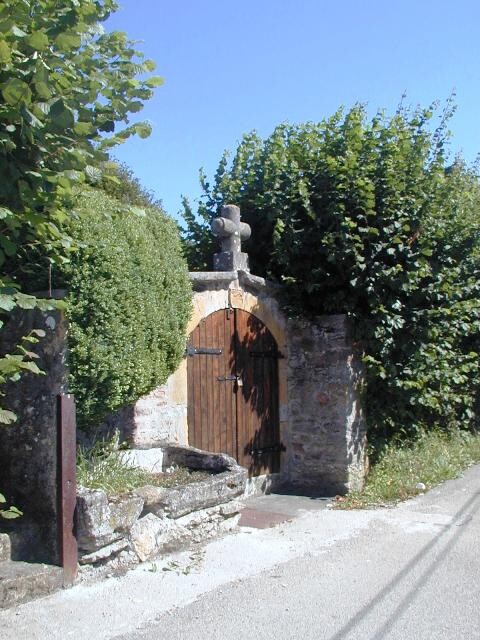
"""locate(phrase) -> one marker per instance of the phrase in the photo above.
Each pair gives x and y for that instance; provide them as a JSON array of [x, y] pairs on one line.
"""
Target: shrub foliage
[[67, 91], [366, 217], [128, 303]]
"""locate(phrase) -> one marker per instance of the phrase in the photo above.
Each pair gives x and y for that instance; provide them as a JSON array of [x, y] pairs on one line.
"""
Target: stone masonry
[[28, 448], [327, 432]]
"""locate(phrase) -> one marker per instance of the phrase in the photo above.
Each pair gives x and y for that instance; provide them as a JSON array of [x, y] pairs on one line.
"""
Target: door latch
[[237, 379]]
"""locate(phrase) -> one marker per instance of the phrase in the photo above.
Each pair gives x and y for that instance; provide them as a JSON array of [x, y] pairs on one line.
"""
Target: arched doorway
[[233, 389]]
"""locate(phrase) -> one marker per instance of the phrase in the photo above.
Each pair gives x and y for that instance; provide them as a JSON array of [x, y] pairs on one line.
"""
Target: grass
[[102, 467], [433, 458]]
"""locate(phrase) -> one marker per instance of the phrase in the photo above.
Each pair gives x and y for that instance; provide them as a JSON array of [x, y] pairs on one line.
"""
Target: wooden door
[[233, 390]]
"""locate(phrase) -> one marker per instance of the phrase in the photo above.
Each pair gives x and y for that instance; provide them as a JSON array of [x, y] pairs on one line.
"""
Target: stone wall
[[28, 448], [326, 445], [321, 419], [123, 530], [159, 418]]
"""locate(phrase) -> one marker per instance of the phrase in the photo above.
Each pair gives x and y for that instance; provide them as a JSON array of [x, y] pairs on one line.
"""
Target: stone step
[[24, 581]]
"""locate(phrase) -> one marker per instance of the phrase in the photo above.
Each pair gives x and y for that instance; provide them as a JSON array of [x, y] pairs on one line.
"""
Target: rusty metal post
[[67, 486]]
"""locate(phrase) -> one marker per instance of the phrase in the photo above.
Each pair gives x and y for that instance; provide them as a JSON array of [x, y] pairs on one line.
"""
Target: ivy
[[367, 217]]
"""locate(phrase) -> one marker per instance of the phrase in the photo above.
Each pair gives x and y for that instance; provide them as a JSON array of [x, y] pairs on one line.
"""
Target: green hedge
[[129, 301], [369, 217]]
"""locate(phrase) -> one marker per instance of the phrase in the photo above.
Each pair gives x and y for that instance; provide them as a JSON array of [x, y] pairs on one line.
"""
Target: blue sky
[[230, 67]]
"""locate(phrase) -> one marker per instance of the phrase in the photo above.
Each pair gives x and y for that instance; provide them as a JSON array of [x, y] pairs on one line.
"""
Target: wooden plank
[[258, 403], [210, 426], [230, 390], [201, 404], [227, 395]]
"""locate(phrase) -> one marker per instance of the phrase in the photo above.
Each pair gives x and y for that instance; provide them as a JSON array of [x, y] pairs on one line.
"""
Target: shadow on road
[[420, 582]]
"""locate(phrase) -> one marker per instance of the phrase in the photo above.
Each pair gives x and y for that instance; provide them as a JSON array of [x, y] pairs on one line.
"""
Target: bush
[[366, 217], [128, 300]]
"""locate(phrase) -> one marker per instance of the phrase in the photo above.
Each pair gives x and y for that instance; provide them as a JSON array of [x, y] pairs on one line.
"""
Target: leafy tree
[[366, 217], [67, 88]]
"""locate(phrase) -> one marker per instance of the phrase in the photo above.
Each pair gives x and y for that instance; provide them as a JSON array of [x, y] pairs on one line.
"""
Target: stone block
[[152, 534], [218, 489], [93, 514], [198, 459], [124, 511], [207, 523], [149, 459], [24, 581], [105, 553]]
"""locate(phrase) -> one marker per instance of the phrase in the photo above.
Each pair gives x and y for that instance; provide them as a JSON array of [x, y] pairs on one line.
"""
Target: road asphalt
[[411, 572]]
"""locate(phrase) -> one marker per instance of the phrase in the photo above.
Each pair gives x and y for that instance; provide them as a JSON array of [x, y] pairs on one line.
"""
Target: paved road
[[409, 573]]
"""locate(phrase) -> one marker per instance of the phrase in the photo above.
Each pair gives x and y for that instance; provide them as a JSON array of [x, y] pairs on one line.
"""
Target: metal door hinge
[[202, 351], [276, 448]]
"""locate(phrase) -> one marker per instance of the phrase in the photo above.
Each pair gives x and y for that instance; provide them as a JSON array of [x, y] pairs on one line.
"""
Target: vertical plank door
[[211, 401], [233, 395]]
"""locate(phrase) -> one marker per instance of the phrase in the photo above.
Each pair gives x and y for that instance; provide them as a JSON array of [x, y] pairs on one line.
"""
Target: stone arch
[[265, 308]]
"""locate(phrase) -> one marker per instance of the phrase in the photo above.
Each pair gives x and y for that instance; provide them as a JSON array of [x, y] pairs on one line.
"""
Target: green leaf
[[11, 514], [62, 115], [83, 128], [155, 81], [9, 247], [5, 213], [37, 40], [143, 129], [5, 53], [6, 417], [25, 301], [16, 92], [93, 174], [7, 302], [31, 118], [32, 367], [17, 32], [43, 90], [149, 65], [67, 41]]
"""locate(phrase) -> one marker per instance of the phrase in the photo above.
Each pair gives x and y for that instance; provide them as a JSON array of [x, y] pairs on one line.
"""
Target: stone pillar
[[326, 450], [28, 447]]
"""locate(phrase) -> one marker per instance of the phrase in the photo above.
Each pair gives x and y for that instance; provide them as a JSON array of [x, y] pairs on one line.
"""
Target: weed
[[103, 466], [431, 459]]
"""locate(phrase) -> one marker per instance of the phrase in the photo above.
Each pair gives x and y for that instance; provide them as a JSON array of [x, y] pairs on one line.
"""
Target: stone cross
[[230, 231]]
